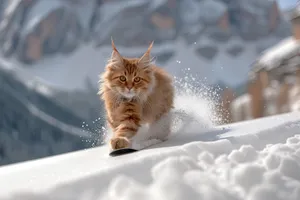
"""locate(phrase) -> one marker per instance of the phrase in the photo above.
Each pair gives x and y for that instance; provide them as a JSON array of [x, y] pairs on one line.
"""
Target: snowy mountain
[[253, 160], [59, 48], [32, 124], [210, 37]]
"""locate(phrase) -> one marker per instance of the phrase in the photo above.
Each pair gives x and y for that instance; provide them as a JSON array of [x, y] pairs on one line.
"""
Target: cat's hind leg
[[161, 129]]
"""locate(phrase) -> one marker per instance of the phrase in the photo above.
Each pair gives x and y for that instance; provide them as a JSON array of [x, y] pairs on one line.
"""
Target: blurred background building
[[52, 52]]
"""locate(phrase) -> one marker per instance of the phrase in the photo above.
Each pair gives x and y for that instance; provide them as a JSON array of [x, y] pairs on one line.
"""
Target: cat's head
[[129, 77]]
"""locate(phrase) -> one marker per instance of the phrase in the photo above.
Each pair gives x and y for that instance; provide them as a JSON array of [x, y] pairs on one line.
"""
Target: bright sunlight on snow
[[65, 46], [253, 160]]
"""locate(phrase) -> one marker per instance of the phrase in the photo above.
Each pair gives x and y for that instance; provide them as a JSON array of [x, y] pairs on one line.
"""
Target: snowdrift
[[258, 159]]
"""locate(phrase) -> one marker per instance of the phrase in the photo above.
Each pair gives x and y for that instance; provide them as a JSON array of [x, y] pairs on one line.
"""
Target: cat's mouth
[[129, 94]]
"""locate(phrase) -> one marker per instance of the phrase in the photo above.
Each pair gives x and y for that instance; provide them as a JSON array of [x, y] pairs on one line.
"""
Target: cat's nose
[[129, 87]]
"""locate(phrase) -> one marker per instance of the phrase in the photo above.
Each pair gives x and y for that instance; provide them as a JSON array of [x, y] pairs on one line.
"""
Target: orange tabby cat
[[135, 92]]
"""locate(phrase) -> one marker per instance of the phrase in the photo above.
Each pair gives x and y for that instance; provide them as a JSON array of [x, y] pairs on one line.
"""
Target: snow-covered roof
[[281, 58], [294, 13]]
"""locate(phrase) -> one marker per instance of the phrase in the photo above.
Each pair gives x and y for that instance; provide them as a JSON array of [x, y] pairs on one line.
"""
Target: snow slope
[[257, 159]]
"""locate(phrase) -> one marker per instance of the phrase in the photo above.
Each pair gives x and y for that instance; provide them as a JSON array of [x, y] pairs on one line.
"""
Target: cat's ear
[[115, 55], [146, 60]]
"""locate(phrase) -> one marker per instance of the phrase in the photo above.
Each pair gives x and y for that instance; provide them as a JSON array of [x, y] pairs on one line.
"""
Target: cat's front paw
[[119, 143]]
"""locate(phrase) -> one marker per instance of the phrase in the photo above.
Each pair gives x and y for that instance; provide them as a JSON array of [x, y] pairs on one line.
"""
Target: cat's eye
[[122, 78], [137, 79]]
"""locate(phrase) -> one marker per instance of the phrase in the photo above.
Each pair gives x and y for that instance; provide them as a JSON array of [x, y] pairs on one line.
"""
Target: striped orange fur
[[135, 92]]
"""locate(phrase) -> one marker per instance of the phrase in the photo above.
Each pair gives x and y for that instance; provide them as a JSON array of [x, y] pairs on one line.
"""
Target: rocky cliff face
[[33, 29]]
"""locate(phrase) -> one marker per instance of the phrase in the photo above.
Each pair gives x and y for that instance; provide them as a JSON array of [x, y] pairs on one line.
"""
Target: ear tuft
[[115, 56], [146, 60], [113, 45]]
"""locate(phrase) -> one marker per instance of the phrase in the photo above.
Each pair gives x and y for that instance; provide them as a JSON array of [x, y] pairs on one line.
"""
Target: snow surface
[[253, 160]]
